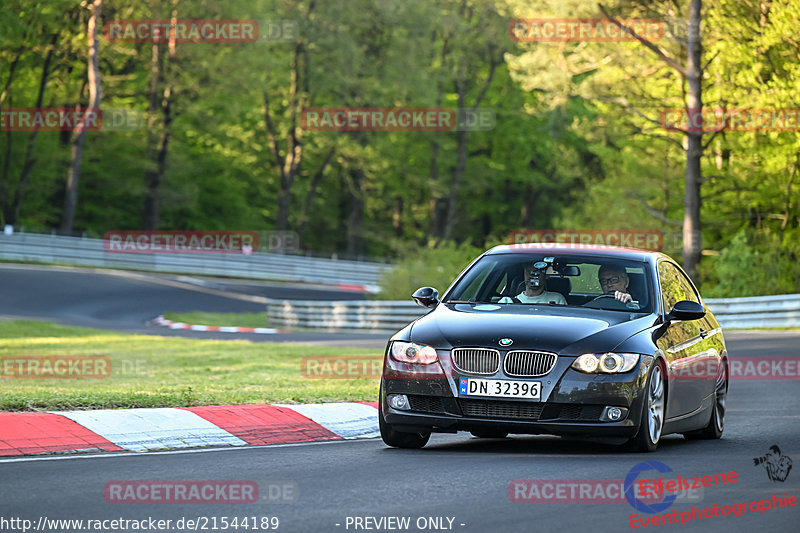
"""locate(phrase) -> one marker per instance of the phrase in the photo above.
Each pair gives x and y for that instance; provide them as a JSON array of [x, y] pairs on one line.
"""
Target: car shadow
[[537, 444]]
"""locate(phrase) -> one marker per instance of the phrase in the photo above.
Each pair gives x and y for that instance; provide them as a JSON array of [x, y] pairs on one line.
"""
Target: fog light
[[399, 401], [614, 414]]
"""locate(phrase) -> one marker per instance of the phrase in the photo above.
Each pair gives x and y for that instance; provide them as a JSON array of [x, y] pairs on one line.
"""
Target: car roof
[[566, 248]]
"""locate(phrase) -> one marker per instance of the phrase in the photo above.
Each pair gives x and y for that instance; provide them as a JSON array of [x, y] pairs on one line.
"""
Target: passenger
[[535, 292], [614, 281]]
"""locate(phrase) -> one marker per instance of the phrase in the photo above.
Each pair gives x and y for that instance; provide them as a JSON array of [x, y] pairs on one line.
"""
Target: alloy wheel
[[655, 404]]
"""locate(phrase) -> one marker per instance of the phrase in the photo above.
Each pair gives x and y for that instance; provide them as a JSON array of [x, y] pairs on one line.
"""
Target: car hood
[[566, 331]]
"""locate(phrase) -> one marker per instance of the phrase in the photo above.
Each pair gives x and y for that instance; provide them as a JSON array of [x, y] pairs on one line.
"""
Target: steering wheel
[[600, 303], [632, 305], [513, 299]]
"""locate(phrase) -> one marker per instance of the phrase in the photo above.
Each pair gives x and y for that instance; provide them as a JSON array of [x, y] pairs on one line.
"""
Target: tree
[[471, 50], [79, 134], [692, 72], [160, 95], [19, 197]]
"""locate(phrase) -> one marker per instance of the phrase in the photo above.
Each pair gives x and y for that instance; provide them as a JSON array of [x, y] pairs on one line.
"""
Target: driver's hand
[[623, 297]]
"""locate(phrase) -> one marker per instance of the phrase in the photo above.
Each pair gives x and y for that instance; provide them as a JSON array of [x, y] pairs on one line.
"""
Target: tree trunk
[[437, 207], [693, 145], [9, 138], [95, 93], [150, 177], [355, 218], [397, 216], [154, 178], [527, 206], [312, 191], [10, 80], [344, 211], [461, 141], [458, 171], [24, 179], [692, 236], [157, 149], [294, 150]]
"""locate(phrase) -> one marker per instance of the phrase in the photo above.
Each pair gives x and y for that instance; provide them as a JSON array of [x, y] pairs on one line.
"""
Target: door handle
[[703, 333]]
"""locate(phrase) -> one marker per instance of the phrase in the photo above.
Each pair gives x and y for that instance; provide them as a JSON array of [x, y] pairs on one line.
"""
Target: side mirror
[[426, 296], [687, 310]]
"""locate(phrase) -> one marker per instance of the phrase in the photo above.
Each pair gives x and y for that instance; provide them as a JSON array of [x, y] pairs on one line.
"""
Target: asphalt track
[[459, 477], [456, 476], [126, 301]]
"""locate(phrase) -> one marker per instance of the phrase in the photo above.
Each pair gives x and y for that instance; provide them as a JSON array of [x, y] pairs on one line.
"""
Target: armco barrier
[[90, 252], [779, 311], [390, 316], [379, 316], [355, 316]]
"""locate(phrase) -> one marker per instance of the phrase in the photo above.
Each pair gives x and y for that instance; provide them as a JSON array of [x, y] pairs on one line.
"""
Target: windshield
[[568, 281]]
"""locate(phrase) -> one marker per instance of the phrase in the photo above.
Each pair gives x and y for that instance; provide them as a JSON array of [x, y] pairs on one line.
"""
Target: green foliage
[[745, 269], [150, 371], [577, 142], [426, 267]]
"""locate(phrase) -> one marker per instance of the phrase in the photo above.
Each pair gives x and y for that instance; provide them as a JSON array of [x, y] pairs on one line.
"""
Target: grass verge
[[149, 371], [241, 320]]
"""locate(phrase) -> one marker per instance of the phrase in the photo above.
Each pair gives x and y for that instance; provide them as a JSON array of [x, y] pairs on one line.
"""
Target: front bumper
[[571, 403]]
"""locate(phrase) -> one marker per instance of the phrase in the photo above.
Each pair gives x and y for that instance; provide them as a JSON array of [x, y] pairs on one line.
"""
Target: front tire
[[398, 439], [651, 422]]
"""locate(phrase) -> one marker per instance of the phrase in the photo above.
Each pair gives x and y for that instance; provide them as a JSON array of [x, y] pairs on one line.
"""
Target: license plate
[[500, 387]]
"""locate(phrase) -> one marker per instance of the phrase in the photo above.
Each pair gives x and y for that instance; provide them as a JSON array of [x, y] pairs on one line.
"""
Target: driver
[[614, 281], [535, 292]]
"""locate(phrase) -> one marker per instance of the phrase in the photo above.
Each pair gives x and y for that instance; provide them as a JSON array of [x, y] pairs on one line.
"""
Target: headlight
[[408, 352], [605, 363]]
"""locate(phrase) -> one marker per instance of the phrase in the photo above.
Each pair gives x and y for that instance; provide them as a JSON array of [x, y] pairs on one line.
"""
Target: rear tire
[[489, 434], [654, 404], [398, 439], [716, 425]]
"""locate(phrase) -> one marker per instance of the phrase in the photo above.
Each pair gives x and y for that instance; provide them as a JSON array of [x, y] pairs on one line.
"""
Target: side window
[[672, 285], [687, 287]]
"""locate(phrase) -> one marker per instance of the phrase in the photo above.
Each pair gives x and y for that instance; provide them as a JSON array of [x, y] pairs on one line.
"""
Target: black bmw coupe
[[610, 344]]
